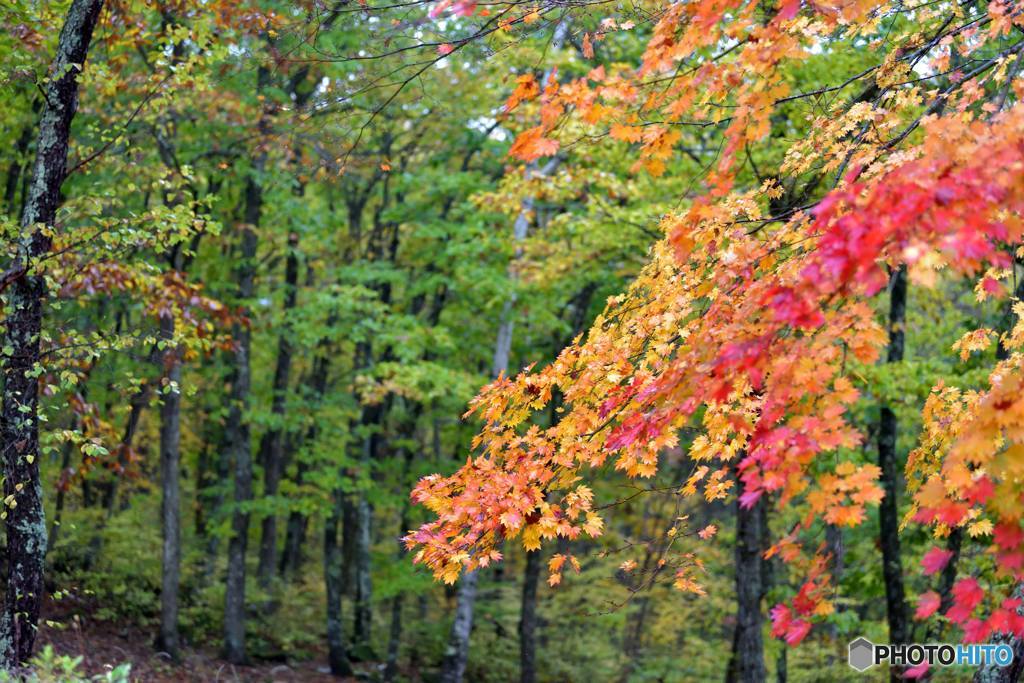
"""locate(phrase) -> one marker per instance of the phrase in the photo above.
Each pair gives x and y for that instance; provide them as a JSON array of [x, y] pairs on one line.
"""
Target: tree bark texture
[[19, 420]]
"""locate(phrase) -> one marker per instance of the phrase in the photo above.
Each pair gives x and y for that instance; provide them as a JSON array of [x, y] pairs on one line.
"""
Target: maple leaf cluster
[[747, 332]]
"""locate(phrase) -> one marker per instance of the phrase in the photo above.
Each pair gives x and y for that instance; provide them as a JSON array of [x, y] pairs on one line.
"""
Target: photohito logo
[[864, 654]]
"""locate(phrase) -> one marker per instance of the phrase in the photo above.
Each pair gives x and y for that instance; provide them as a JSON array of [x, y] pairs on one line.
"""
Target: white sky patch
[[483, 123]]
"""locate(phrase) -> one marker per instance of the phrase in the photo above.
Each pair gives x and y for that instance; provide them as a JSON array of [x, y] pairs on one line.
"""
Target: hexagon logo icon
[[862, 654]]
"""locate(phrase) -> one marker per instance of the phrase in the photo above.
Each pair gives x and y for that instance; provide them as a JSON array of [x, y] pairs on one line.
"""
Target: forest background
[[260, 257]]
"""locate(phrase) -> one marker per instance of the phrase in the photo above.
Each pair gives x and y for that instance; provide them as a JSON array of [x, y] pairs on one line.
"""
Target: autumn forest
[[511, 340]]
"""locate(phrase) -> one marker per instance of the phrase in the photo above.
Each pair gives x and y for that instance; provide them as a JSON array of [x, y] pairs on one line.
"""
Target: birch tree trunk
[[457, 651]]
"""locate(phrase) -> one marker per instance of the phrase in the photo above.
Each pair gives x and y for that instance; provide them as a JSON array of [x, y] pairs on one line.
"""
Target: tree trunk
[[138, 402], [204, 477], [633, 636], [394, 639], [747, 665], [295, 534], [348, 540], [295, 529], [395, 632], [361, 515], [528, 619], [19, 419], [456, 655], [238, 426], [170, 504], [944, 587], [65, 465], [888, 511], [458, 642], [336, 655], [272, 445], [334, 578], [362, 610], [213, 493], [990, 673]]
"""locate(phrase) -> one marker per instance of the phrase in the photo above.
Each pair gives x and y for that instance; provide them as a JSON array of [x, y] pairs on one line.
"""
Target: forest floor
[[103, 645]]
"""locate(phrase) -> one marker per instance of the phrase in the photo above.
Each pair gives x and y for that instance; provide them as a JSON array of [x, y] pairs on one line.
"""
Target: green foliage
[[49, 667], [400, 220]]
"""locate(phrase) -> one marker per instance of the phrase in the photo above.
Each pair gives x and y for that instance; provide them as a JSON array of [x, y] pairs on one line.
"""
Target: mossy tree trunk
[[19, 419]]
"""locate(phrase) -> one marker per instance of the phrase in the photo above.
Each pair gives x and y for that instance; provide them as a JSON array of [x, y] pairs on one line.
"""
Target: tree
[[888, 514], [19, 434], [729, 331]]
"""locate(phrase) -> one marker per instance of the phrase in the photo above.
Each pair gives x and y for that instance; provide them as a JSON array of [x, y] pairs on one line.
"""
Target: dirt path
[[104, 645]]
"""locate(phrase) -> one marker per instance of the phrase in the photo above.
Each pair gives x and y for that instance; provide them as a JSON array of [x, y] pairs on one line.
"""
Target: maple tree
[[744, 323]]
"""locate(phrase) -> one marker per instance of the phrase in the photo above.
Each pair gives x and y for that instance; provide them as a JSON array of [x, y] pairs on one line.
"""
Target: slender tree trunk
[[888, 511], [58, 507], [397, 603], [835, 547], [362, 517], [534, 562], [272, 445], [457, 651], [528, 619], [633, 637], [239, 442], [138, 402], [636, 623], [295, 528], [336, 654], [65, 465], [295, 534], [170, 504], [348, 540], [394, 638], [113, 491], [204, 477], [334, 578], [19, 419], [362, 610], [456, 656], [238, 428], [944, 587], [213, 492], [291, 558], [747, 665]]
